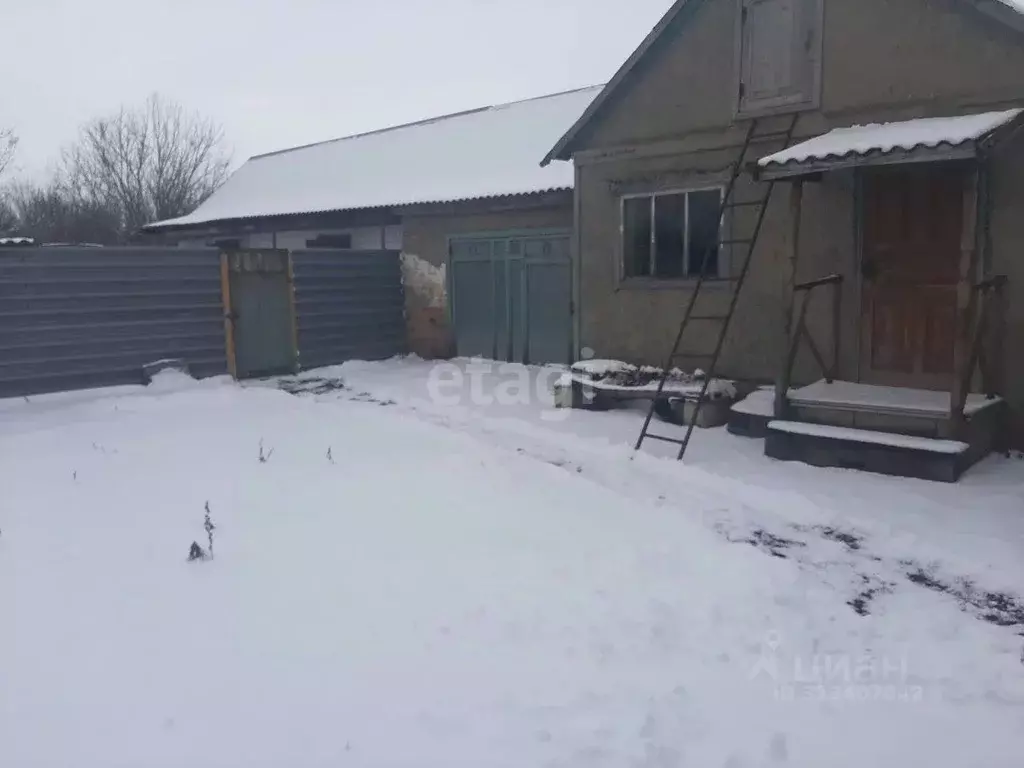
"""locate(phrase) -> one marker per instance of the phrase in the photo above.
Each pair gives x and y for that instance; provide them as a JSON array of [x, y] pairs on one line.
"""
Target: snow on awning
[[924, 139]]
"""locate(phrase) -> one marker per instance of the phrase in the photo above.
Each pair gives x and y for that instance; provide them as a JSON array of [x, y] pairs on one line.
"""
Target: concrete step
[[870, 450]]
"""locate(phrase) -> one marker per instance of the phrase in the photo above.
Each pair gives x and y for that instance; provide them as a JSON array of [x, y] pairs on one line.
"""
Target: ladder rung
[[662, 438], [709, 317], [744, 203]]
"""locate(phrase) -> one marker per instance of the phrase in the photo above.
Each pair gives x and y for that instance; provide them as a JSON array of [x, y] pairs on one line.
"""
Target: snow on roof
[[489, 152], [908, 135]]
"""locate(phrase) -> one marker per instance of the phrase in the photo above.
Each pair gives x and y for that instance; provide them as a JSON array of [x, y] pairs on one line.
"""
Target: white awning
[[924, 139]]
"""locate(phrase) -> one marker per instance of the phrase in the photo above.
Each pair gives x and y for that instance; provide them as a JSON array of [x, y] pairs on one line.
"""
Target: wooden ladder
[[747, 244]]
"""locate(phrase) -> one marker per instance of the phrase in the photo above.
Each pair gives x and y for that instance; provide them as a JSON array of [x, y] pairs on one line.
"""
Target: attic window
[[342, 240], [779, 53]]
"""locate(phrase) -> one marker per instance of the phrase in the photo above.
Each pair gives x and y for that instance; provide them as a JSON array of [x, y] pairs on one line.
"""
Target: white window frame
[[652, 196]]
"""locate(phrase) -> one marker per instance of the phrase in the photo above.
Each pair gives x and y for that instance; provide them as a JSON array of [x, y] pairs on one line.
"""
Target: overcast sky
[[278, 73]]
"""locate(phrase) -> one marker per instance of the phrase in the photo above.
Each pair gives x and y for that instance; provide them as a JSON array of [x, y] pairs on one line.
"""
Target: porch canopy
[[923, 140]]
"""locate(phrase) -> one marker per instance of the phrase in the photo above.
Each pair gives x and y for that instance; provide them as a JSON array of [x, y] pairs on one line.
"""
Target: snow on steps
[[871, 398], [868, 450], [910, 442], [749, 417]]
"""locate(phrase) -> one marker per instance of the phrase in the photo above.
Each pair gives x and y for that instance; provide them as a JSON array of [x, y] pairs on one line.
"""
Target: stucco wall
[[1008, 259], [637, 320], [425, 259]]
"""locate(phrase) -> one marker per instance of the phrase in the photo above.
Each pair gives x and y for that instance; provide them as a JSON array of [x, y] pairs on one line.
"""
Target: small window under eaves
[[779, 56], [341, 240]]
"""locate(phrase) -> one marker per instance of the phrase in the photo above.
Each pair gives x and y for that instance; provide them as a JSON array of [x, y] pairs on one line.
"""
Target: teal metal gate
[[261, 313], [511, 297]]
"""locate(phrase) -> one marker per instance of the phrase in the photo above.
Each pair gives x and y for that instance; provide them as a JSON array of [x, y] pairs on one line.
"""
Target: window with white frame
[[672, 235]]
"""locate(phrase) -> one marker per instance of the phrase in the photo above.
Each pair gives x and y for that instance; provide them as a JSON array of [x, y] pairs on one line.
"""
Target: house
[[880, 286], [484, 230]]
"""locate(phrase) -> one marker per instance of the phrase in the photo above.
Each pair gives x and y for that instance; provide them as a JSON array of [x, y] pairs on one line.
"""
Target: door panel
[[912, 223], [262, 313], [549, 324], [511, 297], [474, 308], [517, 311]]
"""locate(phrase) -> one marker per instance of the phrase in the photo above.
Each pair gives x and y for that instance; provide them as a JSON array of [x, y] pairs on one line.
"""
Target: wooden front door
[[912, 223]]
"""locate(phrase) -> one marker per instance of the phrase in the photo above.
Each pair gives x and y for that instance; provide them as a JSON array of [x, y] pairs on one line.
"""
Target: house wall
[[669, 128], [1008, 259], [637, 320], [425, 258], [882, 59]]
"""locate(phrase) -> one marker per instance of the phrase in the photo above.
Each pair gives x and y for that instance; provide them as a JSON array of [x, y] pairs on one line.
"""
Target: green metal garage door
[[511, 297]]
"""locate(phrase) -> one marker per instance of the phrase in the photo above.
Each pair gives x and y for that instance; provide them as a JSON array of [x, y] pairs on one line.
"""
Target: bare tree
[[8, 143], [151, 163], [49, 214], [8, 216]]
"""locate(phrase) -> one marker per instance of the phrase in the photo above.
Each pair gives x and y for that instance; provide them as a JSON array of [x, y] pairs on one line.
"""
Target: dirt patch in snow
[[321, 386], [999, 608], [776, 546], [861, 603]]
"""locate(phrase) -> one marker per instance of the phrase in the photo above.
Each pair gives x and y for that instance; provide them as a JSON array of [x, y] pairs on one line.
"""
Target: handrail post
[[837, 325], [789, 297], [966, 301]]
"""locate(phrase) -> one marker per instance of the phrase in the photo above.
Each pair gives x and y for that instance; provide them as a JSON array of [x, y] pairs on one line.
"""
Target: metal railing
[[801, 332], [988, 307]]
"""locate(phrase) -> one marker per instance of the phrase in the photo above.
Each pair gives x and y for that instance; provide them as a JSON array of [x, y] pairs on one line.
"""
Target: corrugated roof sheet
[[884, 138], [489, 152]]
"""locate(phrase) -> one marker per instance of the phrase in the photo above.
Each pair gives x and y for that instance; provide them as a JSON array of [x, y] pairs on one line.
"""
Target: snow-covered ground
[[433, 567]]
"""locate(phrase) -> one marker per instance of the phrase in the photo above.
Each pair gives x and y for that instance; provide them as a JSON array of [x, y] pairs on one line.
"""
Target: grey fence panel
[[349, 305], [72, 318]]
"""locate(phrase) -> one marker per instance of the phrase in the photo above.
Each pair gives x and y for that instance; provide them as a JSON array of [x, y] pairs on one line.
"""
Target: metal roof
[[928, 138], [488, 152]]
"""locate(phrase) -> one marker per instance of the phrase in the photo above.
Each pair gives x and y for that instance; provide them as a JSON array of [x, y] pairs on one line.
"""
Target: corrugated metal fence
[[72, 318], [349, 306]]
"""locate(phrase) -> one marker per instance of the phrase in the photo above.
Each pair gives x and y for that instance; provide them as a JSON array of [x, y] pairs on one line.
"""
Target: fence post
[[293, 315], [229, 315]]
